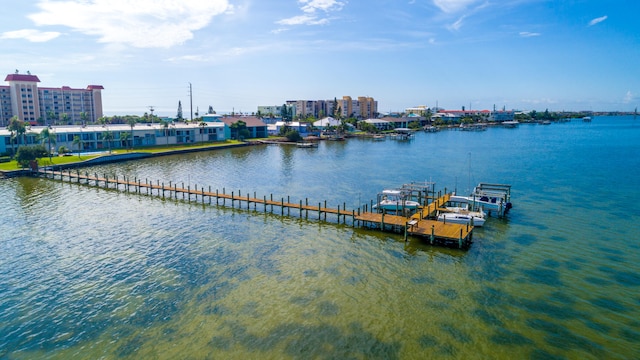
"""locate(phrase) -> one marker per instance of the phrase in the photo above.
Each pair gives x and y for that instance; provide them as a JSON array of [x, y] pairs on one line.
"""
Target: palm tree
[[51, 116], [50, 138], [84, 117], [18, 128], [64, 118], [77, 141], [165, 126], [108, 137], [132, 122], [124, 137], [202, 125]]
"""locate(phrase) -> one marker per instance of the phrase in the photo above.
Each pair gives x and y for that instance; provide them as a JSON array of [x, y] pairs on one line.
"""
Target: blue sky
[[517, 54]]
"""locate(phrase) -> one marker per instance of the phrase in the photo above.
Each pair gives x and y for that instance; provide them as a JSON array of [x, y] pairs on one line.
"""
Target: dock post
[[163, 189], [203, 195], [282, 206], [255, 204], [433, 235], [344, 215], [306, 212], [325, 213], [265, 203], [232, 199], [209, 194], [460, 240], [353, 218], [217, 197], [300, 208], [288, 208], [319, 212], [248, 203], [406, 225], [175, 191], [338, 214], [271, 203]]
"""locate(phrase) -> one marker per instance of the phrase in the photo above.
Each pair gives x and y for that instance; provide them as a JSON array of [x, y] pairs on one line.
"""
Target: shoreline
[[114, 158]]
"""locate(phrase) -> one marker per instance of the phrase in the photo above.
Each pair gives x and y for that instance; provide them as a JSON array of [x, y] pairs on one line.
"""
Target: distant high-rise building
[[24, 99], [363, 108]]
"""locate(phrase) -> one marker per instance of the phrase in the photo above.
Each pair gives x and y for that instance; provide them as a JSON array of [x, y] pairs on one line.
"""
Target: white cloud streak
[[598, 20], [452, 6], [31, 35], [629, 97], [311, 8], [529, 34], [140, 23]]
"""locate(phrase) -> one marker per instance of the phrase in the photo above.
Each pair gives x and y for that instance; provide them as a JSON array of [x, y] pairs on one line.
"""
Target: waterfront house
[[256, 127], [325, 123], [301, 128], [380, 124]]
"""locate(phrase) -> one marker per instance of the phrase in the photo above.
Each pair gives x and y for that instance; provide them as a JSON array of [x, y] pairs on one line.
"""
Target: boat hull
[[461, 219]]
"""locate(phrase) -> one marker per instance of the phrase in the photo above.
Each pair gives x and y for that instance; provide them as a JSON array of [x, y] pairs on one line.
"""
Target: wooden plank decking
[[416, 225]]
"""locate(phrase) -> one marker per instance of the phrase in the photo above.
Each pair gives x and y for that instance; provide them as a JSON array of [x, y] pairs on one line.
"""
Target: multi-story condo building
[[363, 108], [47, 106]]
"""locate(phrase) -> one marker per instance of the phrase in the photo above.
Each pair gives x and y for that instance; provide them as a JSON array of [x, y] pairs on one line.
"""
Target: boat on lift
[[395, 200]]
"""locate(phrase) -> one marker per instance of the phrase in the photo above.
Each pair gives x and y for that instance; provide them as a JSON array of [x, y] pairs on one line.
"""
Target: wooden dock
[[415, 225]]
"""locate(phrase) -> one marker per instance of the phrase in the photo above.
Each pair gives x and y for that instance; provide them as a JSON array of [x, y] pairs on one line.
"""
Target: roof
[[251, 121], [328, 121], [21, 77], [65, 129]]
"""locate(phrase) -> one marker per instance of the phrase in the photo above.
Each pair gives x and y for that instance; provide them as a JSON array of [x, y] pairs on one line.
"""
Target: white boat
[[479, 201], [586, 119], [491, 202], [395, 200], [510, 124], [307, 144], [460, 218], [379, 137]]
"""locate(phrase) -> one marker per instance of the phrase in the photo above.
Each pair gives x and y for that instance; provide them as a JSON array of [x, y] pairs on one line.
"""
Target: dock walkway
[[416, 225]]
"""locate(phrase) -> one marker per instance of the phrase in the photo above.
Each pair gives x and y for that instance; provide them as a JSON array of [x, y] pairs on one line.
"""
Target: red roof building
[[48, 106]]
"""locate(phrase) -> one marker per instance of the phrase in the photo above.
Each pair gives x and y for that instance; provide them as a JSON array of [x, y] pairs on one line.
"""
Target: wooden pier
[[415, 225]]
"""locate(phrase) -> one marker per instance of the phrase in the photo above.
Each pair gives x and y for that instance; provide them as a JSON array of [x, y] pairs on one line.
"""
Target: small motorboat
[[462, 218], [395, 200]]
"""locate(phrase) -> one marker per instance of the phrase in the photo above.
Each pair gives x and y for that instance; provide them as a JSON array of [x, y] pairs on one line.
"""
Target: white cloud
[[529, 34], [325, 5], [310, 8], [629, 97], [30, 35], [456, 25], [452, 6], [597, 20], [302, 20], [140, 23]]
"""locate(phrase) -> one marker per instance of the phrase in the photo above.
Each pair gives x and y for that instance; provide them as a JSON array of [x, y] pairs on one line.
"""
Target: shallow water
[[95, 273]]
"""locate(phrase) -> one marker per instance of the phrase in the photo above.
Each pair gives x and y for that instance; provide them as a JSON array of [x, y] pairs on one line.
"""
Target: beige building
[[46, 106]]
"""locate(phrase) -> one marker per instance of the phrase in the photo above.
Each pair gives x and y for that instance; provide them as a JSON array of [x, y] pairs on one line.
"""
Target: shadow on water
[[302, 341]]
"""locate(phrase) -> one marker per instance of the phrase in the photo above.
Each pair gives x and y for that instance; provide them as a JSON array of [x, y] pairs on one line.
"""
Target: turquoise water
[[94, 273]]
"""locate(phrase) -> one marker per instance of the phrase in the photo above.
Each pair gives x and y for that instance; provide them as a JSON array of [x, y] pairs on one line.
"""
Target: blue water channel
[[90, 273]]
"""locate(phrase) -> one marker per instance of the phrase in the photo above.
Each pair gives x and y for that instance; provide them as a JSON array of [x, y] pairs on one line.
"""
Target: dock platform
[[416, 225]]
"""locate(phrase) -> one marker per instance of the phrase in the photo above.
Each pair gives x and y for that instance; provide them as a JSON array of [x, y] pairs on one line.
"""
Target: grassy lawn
[[58, 160], [163, 148]]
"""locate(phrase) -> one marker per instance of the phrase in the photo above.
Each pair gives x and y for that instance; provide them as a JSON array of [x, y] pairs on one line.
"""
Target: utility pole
[[151, 109], [191, 100]]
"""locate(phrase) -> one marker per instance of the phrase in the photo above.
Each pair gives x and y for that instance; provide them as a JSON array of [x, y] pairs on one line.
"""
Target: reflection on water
[[91, 273]]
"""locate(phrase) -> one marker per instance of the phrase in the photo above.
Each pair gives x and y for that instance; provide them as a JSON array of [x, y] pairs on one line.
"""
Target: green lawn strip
[[59, 160]]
